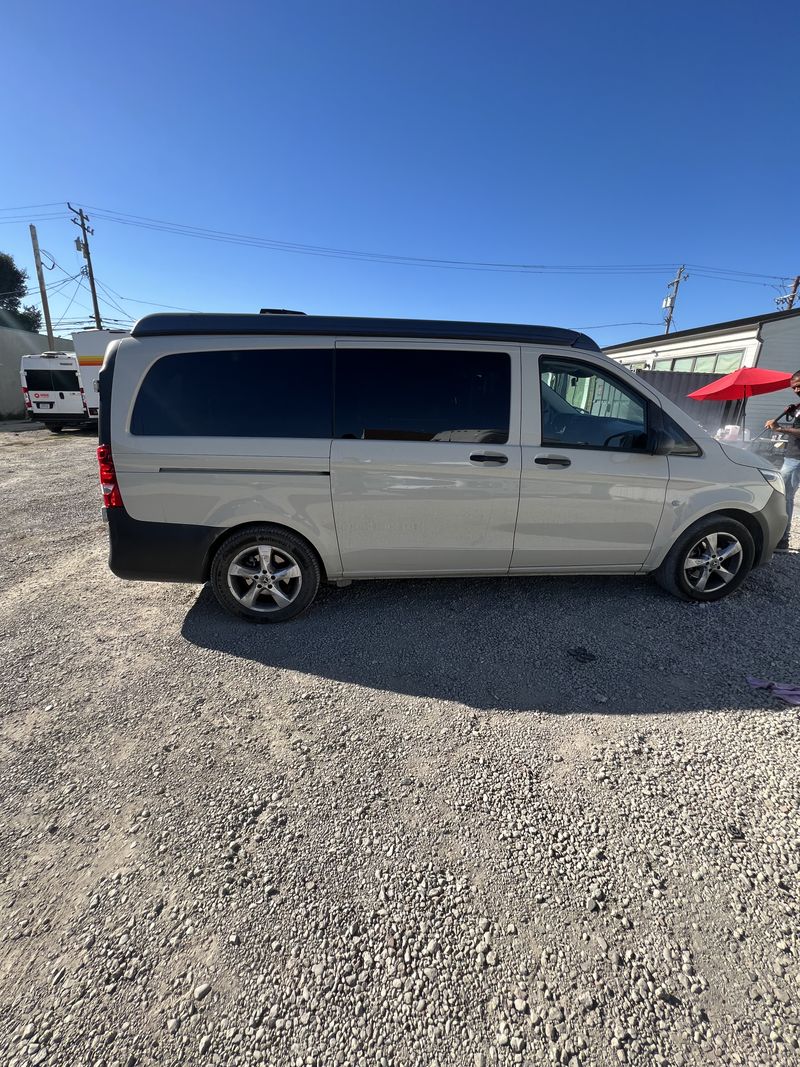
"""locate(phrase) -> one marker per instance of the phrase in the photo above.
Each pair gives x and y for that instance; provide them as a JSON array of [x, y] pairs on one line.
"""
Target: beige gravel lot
[[412, 827]]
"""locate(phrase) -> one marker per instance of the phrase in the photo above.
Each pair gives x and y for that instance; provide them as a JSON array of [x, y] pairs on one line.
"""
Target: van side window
[[684, 444], [392, 394], [248, 393], [582, 407]]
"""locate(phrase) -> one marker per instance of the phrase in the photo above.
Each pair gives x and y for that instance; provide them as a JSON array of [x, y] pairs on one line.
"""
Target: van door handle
[[488, 457], [553, 461]]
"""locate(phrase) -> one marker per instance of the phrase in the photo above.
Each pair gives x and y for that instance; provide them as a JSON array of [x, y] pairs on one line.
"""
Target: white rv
[[60, 388]]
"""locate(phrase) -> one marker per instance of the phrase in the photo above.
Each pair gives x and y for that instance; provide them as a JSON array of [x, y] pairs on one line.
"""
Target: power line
[[69, 305], [110, 301], [204, 233], [27, 219], [727, 270], [725, 278], [609, 325], [152, 303], [32, 289], [27, 207]]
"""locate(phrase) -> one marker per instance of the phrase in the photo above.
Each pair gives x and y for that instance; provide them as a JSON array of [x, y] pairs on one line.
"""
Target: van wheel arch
[[747, 520], [226, 533], [750, 524]]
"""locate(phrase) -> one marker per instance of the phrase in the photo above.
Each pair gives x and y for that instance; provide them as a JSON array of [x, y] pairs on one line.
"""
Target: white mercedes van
[[267, 453]]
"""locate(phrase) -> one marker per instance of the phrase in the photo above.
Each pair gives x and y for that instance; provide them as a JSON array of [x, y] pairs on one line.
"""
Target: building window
[[719, 363], [705, 364], [728, 361]]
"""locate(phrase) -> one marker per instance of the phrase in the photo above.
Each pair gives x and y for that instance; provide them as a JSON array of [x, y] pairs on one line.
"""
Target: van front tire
[[709, 561], [265, 574]]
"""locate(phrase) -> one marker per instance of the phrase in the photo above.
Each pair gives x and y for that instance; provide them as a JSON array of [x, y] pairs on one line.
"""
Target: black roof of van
[[169, 325]]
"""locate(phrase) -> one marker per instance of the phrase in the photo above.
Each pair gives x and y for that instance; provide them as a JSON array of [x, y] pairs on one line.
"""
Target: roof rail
[[287, 324]]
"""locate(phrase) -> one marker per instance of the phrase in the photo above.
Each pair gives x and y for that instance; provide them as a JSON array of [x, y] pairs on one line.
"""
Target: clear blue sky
[[512, 132]]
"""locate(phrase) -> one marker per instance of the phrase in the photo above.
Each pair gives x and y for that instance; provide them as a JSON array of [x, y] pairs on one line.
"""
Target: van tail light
[[28, 403], [83, 401], [112, 498]]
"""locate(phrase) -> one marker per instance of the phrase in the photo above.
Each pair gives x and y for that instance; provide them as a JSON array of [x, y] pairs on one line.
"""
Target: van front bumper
[[772, 520], [158, 551]]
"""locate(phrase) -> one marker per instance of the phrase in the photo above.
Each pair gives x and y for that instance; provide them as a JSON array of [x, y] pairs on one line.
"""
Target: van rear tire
[[265, 574], [55, 427], [709, 561]]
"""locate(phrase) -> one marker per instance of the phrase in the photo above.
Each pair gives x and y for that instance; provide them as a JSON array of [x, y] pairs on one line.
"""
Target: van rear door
[[54, 391]]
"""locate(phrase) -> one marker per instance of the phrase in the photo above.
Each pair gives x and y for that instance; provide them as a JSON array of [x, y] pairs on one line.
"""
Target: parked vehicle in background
[[53, 392], [61, 388], [266, 453]]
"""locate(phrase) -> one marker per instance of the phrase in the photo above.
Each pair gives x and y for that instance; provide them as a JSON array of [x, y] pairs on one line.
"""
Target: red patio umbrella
[[747, 381], [742, 383]]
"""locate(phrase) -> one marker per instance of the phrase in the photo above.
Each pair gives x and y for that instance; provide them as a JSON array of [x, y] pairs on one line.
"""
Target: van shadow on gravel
[[560, 645]]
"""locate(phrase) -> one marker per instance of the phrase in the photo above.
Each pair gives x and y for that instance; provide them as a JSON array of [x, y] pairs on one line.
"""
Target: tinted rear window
[[413, 394], [66, 381], [44, 381], [249, 393], [41, 381]]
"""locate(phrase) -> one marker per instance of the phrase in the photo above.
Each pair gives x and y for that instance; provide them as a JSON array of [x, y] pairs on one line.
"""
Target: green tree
[[13, 287]]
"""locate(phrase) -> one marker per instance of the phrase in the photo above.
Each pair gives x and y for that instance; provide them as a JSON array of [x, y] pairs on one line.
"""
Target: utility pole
[[51, 341], [668, 303], [83, 246], [786, 302]]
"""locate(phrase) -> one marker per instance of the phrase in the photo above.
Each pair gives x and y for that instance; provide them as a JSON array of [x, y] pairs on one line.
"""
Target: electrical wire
[[69, 305], [727, 270], [33, 290], [32, 218], [725, 278], [109, 300], [152, 303], [30, 207], [609, 325], [204, 233]]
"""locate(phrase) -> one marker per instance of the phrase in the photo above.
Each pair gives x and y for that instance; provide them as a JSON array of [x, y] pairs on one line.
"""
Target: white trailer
[[60, 388]]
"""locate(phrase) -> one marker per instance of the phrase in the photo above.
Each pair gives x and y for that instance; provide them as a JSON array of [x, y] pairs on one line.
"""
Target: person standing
[[791, 462]]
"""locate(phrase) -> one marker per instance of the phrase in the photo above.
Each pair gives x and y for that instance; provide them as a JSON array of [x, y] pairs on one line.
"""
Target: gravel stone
[[382, 849]]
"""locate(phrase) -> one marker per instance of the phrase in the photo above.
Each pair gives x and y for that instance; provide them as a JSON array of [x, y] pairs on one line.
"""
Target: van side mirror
[[661, 443]]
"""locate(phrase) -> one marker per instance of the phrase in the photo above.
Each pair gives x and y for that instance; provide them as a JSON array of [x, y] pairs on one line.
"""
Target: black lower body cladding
[[158, 551]]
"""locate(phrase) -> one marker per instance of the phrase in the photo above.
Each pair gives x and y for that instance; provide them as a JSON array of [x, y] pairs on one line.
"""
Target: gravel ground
[[529, 821]]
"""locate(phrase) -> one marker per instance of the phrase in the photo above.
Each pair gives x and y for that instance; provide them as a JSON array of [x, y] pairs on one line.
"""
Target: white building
[[771, 341]]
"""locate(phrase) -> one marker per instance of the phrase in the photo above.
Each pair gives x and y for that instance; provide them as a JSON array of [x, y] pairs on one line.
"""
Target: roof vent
[[279, 311]]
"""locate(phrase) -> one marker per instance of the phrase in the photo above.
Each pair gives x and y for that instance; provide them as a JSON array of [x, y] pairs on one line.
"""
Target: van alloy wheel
[[264, 578], [713, 562], [708, 561], [265, 573]]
